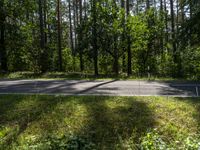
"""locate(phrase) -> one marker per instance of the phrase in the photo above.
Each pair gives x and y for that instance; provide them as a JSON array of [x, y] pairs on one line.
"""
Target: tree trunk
[[70, 28], [166, 23], [75, 25], [45, 21], [123, 39], [85, 7], [147, 4], [173, 31], [116, 57], [80, 37], [42, 38], [129, 71], [71, 34], [3, 55], [59, 36], [94, 38], [162, 32]]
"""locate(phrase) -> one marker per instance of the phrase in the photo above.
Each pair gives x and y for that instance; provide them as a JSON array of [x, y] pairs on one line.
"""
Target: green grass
[[92, 122], [79, 76]]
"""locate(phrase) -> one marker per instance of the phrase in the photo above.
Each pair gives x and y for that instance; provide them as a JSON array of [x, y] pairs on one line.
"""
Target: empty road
[[107, 87]]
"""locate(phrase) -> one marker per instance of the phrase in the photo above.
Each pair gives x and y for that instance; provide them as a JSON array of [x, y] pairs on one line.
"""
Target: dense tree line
[[161, 37]]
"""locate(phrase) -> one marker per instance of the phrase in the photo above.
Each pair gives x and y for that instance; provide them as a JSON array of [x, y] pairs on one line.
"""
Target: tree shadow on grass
[[110, 121], [19, 112], [112, 124]]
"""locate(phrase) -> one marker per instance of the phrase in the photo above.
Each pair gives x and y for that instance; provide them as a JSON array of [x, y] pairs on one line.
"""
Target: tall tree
[[42, 37], [115, 43], [129, 64], [166, 22], [162, 31], [173, 35], [80, 37], [70, 27], [59, 36], [123, 37], [94, 37], [45, 20], [147, 4], [3, 54]]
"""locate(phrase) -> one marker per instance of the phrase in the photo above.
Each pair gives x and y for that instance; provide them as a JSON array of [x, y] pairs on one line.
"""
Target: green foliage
[[52, 142], [149, 31], [191, 65], [154, 141]]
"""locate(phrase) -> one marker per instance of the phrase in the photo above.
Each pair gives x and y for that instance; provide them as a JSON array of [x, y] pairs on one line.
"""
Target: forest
[[112, 37]]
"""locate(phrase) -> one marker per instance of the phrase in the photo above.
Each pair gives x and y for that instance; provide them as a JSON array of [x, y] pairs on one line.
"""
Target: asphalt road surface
[[107, 87]]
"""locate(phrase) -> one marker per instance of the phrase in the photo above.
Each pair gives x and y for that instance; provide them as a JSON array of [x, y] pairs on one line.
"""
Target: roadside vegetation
[[84, 76], [90, 122]]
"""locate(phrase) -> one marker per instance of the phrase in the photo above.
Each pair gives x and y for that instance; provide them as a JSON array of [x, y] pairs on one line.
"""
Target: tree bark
[[166, 23], [147, 4], [116, 57], [162, 32], [94, 38], [80, 37], [3, 55], [173, 31], [70, 28], [59, 36], [45, 21], [42, 38], [129, 64], [123, 39], [75, 25]]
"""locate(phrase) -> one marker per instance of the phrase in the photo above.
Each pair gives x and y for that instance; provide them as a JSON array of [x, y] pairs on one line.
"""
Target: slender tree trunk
[[70, 28], [75, 25], [182, 11], [177, 23], [94, 37], [162, 32], [129, 64], [123, 39], [71, 34], [3, 55], [45, 21], [41, 25], [59, 36], [42, 38], [166, 23], [85, 8], [150, 43], [76, 7], [116, 57], [80, 37], [147, 4], [173, 31], [191, 8], [116, 51]]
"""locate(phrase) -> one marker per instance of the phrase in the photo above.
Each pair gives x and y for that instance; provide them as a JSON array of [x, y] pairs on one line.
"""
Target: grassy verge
[[89, 122], [78, 76]]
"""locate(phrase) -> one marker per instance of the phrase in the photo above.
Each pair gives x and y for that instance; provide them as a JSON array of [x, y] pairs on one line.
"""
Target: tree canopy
[[160, 37]]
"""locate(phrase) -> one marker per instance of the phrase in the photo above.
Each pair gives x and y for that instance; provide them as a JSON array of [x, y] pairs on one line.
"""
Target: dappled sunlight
[[111, 121], [100, 122]]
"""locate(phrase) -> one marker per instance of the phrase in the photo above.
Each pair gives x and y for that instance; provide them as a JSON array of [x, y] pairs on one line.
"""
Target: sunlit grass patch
[[92, 122]]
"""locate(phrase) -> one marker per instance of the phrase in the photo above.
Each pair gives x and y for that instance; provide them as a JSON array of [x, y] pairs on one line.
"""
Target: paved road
[[111, 87]]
